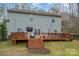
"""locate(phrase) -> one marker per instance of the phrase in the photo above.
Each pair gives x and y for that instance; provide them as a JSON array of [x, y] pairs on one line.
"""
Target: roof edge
[[32, 12]]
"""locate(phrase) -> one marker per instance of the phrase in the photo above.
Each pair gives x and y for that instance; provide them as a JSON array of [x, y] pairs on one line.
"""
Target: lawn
[[57, 48]]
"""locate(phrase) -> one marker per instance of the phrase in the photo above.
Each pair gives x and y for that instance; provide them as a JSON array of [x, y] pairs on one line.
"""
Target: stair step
[[35, 43]]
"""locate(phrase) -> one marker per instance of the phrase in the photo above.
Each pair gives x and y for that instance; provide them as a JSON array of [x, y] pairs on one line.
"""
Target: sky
[[45, 6]]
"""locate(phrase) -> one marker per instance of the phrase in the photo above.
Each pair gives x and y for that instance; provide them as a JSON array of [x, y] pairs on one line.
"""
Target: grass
[[57, 48], [62, 48]]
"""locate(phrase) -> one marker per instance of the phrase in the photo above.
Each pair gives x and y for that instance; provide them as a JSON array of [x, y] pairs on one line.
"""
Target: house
[[1, 14], [20, 19]]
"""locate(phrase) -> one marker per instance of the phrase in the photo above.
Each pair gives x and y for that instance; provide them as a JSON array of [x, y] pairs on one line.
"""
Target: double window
[[19, 29]]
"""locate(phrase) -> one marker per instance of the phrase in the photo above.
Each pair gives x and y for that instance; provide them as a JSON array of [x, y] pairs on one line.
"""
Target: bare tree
[[2, 6], [71, 8], [55, 8], [22, 6], [78, 7]]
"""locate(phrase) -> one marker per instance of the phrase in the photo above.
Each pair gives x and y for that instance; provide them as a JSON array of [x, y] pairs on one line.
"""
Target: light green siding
[[18, 20]]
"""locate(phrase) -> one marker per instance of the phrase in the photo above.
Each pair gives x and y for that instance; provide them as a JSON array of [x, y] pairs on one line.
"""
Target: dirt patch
[[38, 50]]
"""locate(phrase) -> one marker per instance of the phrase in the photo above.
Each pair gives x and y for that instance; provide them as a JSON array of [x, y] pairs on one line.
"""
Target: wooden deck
[[15, 36], [45, 36]]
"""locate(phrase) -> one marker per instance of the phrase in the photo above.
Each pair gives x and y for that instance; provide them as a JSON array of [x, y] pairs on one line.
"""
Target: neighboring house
[[1, 14], [21, 19]]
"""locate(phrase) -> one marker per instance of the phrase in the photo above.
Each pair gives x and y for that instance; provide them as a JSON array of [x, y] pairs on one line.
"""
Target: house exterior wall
[[44, 23]]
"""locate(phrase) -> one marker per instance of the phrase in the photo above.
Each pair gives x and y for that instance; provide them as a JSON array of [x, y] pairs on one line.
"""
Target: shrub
[[3, 31]]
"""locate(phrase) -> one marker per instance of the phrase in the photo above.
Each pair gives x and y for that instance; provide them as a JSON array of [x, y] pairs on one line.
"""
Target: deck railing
[[45, 36], [19, 35], [56, 36]]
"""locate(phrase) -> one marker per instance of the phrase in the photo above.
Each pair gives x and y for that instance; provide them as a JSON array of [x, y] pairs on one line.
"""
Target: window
[[53, 20], [18, 29], [55, 30], [35, 31], [7, 20], [31, 19], [39, 31]]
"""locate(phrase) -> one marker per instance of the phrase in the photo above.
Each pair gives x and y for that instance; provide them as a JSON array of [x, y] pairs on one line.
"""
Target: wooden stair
[[35, 43]]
